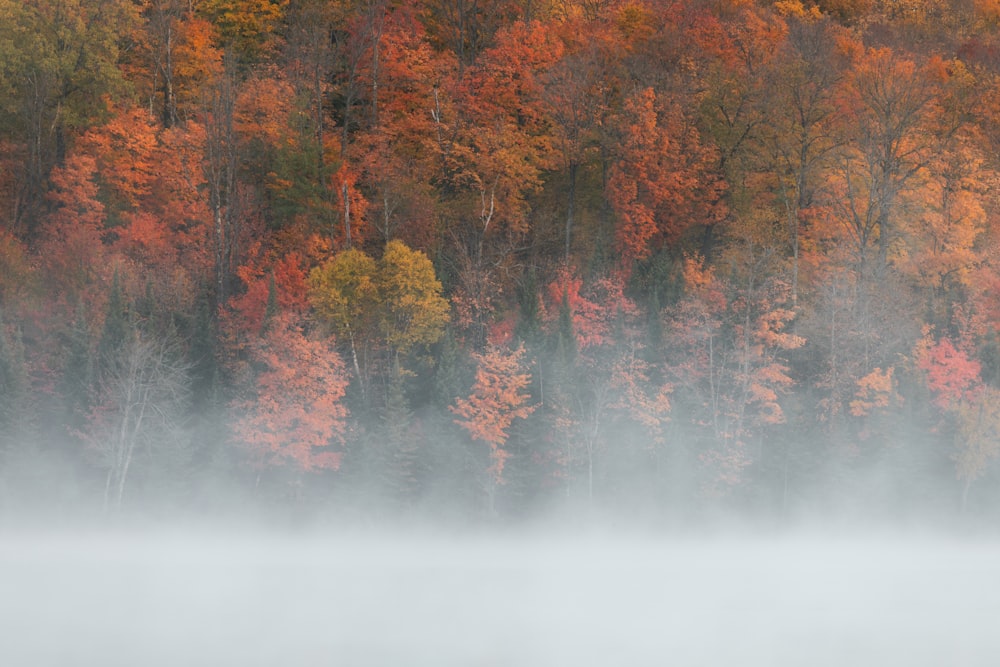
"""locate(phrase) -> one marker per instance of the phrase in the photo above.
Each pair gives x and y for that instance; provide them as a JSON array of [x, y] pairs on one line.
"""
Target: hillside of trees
[[485, 258]]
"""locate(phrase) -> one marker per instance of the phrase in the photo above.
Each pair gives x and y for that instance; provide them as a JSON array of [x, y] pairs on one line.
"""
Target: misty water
[[210, 597]]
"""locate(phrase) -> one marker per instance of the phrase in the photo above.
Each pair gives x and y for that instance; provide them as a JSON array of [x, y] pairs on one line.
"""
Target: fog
[[328, 596]]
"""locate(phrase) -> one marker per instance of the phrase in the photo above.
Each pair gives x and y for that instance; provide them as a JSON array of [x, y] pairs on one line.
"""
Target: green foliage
[[117, 327], [566, 349], [58, 66], [13, 379], [448, 376], [529, 324]]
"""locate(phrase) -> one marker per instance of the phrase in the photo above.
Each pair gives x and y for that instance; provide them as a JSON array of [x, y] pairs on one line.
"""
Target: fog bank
[[210, 598]]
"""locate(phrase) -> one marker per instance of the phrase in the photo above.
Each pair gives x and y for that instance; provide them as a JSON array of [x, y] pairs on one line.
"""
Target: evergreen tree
[[448, 380], [401, 450], [117, 327], [654, 332], [271, 307], [13, 382], [529, 327], [565, 336], [80, 371]]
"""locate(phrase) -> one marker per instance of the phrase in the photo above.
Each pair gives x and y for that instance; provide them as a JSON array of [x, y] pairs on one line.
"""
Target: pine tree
[[566, 336], [117, 327], [13, 382], [271, 308], [80, 371], [401, 448], [529, 328]]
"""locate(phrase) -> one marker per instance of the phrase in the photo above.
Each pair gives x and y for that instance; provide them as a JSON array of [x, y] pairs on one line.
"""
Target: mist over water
[[346, 597]]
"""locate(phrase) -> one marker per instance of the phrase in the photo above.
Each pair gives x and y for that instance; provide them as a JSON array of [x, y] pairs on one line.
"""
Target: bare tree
[[142, 396]]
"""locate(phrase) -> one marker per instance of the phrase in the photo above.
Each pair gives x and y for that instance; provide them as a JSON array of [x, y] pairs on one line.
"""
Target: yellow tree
[[394, 303], [413, 312], [344, 294]]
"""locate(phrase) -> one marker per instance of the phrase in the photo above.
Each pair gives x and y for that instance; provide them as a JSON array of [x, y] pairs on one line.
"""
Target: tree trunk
[[570, 207]]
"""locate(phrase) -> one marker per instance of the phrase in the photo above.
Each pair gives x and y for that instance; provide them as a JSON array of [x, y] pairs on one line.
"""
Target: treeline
[[489, 256]]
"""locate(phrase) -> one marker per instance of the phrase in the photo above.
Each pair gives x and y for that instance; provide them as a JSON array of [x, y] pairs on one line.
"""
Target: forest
[[487, 258]]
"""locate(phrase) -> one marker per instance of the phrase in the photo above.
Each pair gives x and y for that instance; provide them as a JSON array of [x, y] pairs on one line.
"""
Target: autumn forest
[[483, 258]]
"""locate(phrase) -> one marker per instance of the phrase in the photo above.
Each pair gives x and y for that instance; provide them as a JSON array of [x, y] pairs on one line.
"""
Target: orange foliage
[[352, 227], [594, 308], [291, 290], [73, 251], [497, 399], [875, 391], [294, 415], [124, 149], [504, 145], [263, 109], [630, 382], [662, 183]]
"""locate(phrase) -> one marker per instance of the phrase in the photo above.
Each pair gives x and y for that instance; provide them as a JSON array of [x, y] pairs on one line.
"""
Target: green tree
[[58, 67]]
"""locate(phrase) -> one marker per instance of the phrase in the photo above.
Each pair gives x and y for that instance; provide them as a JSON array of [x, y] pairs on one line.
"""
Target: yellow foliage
[[399, 296], [635, 22], [978, 437], [343, 291], [413, 310], [875, 390], [796, 9]]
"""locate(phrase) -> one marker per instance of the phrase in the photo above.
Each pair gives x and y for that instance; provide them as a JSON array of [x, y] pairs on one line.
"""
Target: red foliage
[[594, 307], [951, 375], [291, 290]]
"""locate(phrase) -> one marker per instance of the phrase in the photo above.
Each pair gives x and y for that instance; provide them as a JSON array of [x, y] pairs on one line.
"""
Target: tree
[[220, 172], [576, 98], [246, 27], [969, 407], [977, 438], [662, 183], [953, 376], [181, 57], [413, 311], [889, 99], [292, 414], [394, 303], [139, 409], [727, 360], [58, 68], [73, 250], [799, 140], [344, 294], [466, 27], [14, 389], [498, 398], [398, 154]]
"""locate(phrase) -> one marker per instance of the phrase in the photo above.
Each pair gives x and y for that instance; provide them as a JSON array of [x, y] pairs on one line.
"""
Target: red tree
[[294, 415]]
